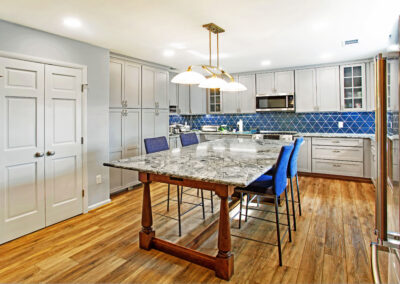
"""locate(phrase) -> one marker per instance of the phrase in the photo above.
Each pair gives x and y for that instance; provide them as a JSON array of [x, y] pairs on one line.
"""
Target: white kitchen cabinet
[[198, 100], [304, 159], [370, 83], [328, 90], [247, 99], [392, 72], [183, 99], [230, 100], [306, 90], [155, 123], [265, 83], [154, 88], [275, 83], [173, 92], [352, 90], [125, 84], [284, 82], [125, 132]]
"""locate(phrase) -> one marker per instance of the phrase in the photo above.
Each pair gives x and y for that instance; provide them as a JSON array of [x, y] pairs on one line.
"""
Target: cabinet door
[[183, 93], [131, 140], [370, 85], [306, 90], [161, 89], [230, 100], [22, 200], [304, 159], [284, 82], [198, 100], [392, 71], [247, 99], [265, 83], [148, 88], [352, 82], [132, 84], [328, 90], [116, 148], [173, 93], [148, 122], [161, 123], [116, 82]]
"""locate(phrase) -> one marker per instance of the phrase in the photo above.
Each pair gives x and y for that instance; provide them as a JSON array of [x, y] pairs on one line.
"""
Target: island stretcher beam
[[222, 263]]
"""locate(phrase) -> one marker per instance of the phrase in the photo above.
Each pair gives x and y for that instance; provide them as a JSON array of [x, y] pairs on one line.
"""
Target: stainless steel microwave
[[275, 103]]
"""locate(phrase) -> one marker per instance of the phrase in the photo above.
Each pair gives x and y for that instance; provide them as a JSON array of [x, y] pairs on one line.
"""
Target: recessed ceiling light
[[72, 22], [168, 53], [319, 26], [326, 55], [178, 45], [266, 62]]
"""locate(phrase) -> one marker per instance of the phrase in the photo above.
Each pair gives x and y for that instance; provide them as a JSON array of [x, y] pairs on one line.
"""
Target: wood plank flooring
[[331, 244]]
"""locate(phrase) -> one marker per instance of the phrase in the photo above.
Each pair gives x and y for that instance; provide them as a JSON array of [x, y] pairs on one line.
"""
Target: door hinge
[[83, 193], [83, 87], [82, 140]]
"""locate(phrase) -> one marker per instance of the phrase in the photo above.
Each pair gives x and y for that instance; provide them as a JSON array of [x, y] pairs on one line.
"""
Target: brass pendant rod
[[217, 50], [209, 40]]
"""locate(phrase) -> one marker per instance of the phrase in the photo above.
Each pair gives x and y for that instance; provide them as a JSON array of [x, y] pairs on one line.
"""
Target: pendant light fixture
[[217, 76]]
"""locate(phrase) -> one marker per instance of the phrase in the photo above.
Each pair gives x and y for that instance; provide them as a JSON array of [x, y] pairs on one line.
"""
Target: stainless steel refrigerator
[[385, 254]]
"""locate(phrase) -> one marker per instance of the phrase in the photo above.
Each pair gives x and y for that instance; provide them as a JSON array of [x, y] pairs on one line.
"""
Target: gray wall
[[27, 41]]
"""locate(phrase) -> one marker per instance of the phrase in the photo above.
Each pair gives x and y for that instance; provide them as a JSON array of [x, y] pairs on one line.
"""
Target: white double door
[[40, 146]]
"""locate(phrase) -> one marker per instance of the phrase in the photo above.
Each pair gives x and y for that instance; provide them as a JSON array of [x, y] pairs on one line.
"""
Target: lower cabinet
[[304, 160], [125, 132], [155, 123], [335, 167]]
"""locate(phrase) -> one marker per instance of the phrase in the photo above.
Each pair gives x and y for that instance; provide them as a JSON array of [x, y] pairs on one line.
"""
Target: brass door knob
[[39, 154], [50, 153]]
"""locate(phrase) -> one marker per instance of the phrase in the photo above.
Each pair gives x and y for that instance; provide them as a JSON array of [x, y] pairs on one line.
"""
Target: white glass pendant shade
[[213, 83], [188, 77], [234, 87]]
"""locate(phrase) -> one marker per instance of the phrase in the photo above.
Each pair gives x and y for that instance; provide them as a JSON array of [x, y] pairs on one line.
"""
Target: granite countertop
[[232, 161]]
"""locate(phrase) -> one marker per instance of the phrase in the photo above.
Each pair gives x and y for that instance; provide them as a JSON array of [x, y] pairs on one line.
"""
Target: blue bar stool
[[187, 140], [273, 187], [291, 173]]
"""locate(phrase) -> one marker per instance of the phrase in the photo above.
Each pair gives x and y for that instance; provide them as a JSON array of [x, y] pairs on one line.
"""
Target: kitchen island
[[219, 166]]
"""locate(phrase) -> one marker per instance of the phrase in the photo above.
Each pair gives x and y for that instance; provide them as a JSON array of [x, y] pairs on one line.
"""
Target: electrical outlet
[[98, 179], [340, 124]]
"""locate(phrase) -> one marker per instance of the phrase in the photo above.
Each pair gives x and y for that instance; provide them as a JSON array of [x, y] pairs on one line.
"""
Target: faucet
[[240, 125]]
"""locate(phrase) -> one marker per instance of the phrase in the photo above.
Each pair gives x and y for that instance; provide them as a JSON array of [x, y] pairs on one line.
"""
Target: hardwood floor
[[331, 244]]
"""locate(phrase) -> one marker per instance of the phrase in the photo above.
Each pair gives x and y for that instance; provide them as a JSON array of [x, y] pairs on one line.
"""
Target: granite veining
[[232, 161]]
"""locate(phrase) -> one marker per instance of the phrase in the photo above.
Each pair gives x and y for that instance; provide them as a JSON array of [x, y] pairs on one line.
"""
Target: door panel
[[148, 78], [116, 82], [161, 89], [161, 123], [116, 148], [132, 124], [148, 121], [133, 82], [306, 89], [265, 84], [247, 99], [22, 208], [63, 160], [328, 90]]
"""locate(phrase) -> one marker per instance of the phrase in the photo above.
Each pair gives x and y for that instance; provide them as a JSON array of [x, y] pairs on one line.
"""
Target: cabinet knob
[[39, 155], [50, 153]]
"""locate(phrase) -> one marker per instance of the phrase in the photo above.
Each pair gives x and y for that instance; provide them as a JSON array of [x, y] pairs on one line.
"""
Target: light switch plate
[[98, 179], [340, 124]]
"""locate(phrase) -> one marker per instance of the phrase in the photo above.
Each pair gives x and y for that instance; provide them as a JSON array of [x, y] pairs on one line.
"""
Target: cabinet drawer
[[337, 142], [337, 167], [354, 154], [211, 137]]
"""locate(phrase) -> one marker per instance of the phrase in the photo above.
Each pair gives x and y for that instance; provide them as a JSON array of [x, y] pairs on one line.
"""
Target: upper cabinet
[[173, 92], [370, 85], [317, 89], [183, 99], [353, 90], [391, 84], [275, 83], [328, 94], [247, 99], [198, 100], [125, 84], [214, 101], [230, 100], [154, 88]]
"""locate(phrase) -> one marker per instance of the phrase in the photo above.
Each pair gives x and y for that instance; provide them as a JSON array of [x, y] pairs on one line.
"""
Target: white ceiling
[[285, 32]]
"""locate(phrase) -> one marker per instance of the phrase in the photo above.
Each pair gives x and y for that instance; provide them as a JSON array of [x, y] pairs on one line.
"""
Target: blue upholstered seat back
[[156, 144], [280, 177], [189, 139], [292, 169]]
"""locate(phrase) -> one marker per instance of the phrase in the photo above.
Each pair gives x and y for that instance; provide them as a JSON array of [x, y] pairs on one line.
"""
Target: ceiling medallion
[[217, 76]]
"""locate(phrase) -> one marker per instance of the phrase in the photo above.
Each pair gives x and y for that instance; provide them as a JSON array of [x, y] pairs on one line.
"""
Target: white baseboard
[[98, 204]]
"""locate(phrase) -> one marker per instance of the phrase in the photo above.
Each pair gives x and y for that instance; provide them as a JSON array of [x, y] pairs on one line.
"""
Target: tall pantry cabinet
[[138, 110]]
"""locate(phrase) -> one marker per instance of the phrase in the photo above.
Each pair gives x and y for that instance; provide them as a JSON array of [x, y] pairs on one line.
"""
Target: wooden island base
[[223, 262]]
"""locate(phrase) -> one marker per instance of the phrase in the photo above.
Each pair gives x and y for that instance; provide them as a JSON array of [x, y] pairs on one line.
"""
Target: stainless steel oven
[[275, 103]]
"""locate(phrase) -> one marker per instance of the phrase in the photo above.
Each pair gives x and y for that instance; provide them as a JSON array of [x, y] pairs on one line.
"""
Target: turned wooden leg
[[146, 234], [224, 261]]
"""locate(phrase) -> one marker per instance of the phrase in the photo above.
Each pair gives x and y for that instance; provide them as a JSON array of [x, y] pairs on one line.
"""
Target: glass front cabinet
[[214, 101], [353, 92]]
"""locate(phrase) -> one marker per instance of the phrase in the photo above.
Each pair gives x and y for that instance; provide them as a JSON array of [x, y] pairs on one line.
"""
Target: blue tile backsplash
[[326, 122]]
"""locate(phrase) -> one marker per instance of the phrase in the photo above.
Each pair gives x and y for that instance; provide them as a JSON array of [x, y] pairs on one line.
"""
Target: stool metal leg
[[278, 233], [169, 186], [298, 193], [288, 216], [240, 212], [202, 204], [293, 207], [181, 194], [179, 210], [212, 202], [247, 205]]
